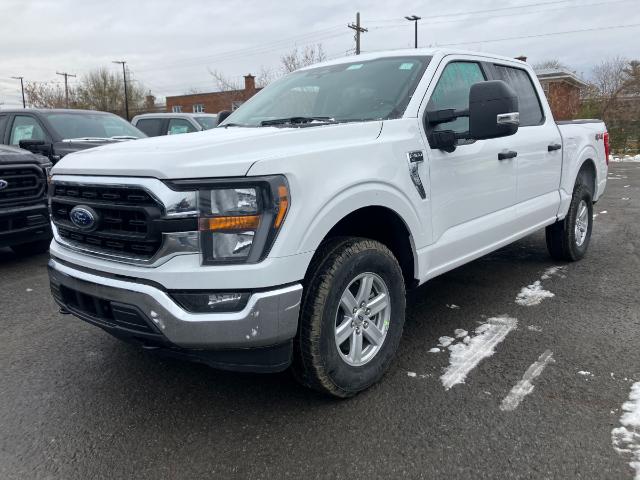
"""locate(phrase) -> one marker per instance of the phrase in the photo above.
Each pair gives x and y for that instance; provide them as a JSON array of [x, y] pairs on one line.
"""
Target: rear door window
[[25, 127], [151, 126], [528, 101], [180, 125]]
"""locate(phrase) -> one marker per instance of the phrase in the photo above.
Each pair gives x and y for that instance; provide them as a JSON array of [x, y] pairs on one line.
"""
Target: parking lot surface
[[77, 404]]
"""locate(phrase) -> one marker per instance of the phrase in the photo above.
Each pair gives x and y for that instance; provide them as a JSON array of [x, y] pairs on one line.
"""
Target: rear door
[[538, 143], [471, 188], [152, 127]]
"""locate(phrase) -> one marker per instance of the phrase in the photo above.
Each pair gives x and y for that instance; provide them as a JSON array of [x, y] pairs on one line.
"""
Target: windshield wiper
[[88, 139], [297, 120], [124, 137]]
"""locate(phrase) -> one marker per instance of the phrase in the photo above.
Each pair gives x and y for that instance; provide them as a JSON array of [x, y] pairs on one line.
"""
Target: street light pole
[[414, 19], [124, 76], [24, 104]]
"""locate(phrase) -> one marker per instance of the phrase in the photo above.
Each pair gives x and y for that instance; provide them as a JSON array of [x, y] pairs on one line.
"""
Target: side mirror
[[222, 116], [39, 147], [493, 110]]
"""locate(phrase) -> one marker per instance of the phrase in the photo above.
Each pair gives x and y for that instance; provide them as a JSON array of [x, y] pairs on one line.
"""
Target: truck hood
[[220, 152]]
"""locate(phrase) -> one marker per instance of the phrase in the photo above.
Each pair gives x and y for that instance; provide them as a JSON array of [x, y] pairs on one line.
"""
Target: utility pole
[[66, 86], [358, 29], [414, 19], [124, 75], [24, 104]]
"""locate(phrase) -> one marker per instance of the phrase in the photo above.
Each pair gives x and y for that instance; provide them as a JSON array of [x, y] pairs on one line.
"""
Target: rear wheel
[[31, 248], [569, 239], [351, 318]]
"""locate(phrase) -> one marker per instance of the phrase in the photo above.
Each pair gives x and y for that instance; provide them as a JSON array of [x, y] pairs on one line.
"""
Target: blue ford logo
[[3, 184], [83, 217]]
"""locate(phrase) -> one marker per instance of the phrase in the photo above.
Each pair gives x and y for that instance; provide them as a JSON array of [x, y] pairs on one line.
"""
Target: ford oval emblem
[[83, 217], [3, 184]]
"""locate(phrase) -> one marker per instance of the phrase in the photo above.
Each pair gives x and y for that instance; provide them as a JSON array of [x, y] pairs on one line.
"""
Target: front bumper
[[147, 314], [24, 224]]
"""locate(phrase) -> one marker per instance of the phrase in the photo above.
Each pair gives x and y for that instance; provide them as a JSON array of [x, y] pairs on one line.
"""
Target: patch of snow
[[625, 198], [603, 211], [459, 333], [525, 386], [29, 289], [626, 439], [626, 186], [585, 373], [411, 374], [445, 341], [534, 328], [551, 271], [533, 295], [434, 350], [465, 357], [452, 306], [466, 339], [594, 215], [626, 158]]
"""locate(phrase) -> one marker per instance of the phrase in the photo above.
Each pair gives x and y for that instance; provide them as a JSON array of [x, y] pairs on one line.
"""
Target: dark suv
[[24, 218], [56, 132]]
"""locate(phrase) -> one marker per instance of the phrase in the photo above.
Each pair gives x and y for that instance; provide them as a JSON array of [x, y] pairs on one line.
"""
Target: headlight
[[239, 219]]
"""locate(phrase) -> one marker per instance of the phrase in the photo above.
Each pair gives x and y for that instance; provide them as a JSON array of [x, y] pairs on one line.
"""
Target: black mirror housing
[[222, 116], [493, 110]]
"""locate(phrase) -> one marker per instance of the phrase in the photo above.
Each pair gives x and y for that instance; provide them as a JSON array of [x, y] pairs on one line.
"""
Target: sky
[[172, 46]]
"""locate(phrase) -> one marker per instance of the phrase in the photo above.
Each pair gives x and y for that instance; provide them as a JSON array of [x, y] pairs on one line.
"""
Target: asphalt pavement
[[77, 404]]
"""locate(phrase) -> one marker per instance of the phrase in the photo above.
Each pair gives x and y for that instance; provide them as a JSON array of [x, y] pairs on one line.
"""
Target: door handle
[[507, 155], [554, 146]]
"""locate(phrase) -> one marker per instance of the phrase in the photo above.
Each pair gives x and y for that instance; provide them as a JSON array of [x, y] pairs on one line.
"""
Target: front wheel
[[569, 239], [351, 318]]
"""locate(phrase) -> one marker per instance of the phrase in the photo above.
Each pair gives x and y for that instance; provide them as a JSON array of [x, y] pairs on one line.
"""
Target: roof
[[175, 115], [52, 110], [559, 74]]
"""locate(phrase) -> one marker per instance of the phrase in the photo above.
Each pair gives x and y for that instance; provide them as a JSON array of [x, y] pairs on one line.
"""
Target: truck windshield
[[70, 126], [377, 89]]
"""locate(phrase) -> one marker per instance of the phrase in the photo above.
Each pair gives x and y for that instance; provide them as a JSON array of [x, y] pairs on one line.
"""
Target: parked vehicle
[[24, 218], [57, 132], [289, 233], [157, 124]]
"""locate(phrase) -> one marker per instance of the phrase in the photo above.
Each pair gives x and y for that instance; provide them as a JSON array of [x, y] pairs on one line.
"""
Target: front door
[[472, 189]]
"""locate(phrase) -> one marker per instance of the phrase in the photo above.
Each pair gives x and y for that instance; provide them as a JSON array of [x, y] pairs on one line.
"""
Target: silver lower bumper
[[269, 318]]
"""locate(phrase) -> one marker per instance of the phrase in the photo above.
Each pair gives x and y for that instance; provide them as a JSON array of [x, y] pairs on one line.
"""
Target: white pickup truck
[[288, 235]]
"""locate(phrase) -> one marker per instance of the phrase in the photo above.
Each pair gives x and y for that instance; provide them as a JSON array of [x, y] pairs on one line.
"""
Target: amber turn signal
[[245, 222]]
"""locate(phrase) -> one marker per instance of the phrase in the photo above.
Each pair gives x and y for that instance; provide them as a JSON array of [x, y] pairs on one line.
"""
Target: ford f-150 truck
[[24, 219], [288, 235]]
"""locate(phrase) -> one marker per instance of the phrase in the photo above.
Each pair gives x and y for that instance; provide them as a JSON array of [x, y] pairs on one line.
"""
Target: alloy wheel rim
[[582, 223], [362, 319]]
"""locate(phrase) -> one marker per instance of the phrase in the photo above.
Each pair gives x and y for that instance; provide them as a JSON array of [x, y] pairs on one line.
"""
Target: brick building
[[213, 102], [562, 89]]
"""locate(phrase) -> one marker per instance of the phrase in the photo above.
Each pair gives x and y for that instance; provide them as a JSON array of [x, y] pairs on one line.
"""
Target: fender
[[369, 194], [570, 171]]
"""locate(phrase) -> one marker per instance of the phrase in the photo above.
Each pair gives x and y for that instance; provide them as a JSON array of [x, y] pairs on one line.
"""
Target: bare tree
[[609, 80], [296, 58], [551, 64], [47, 95], [100, 89]]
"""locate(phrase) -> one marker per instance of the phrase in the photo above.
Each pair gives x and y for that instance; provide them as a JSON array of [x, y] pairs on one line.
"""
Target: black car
[[24, 218], [56, 132]]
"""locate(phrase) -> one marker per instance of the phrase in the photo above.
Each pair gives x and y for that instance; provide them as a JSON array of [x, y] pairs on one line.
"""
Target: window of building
[[177, 109], [528, 102], [198, 108]]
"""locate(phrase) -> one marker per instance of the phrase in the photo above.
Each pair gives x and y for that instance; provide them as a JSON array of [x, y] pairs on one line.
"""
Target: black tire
[[561, 236], [317, 361], [31, 248]]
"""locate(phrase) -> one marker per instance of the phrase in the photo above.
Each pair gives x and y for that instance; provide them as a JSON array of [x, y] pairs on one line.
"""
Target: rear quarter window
[[528, 101]]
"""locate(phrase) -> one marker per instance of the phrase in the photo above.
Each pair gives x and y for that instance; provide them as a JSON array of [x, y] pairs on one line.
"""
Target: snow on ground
[[411, 374], [534, 328], [445, 341], [533, 295], [626, 439], [434, 350], [585, 373], [525, 386], [465, 356], [624, 158], [452, 306]]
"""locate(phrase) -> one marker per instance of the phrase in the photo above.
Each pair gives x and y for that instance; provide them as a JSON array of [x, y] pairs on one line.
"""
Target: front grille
[[25, 184], [11, 223], [102, 311], [128, 220]]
